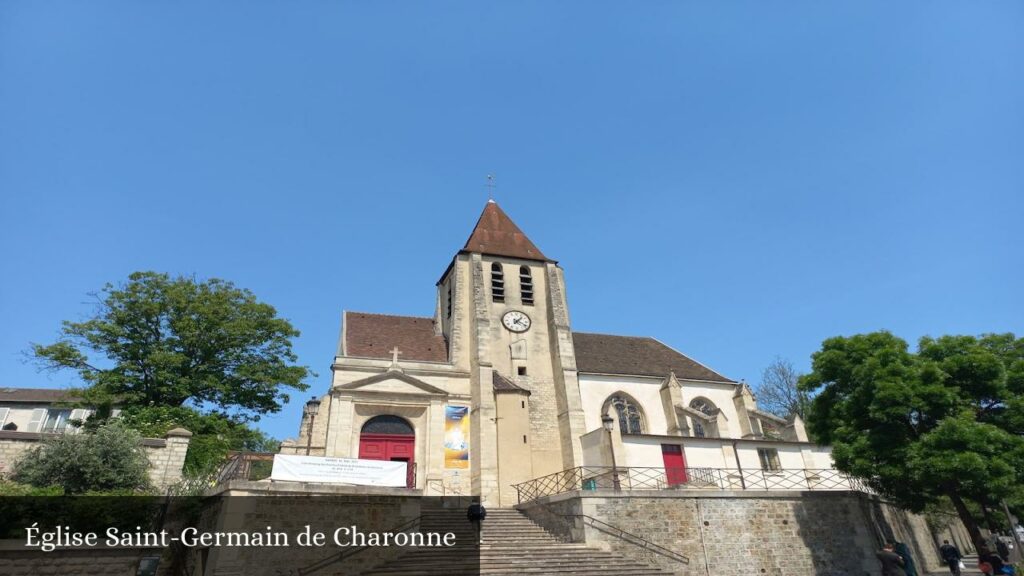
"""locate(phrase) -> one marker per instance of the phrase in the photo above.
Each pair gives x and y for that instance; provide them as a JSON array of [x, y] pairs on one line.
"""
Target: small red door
[[675, 464]]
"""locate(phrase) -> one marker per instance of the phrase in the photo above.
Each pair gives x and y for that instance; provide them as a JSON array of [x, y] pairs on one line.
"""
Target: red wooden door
[[394, 447], [675, 463]]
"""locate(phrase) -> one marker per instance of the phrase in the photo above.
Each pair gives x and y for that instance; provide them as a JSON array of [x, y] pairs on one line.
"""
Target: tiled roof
[[35, 395], [497, 235], [638, 356], [502, 384], [375, 335]]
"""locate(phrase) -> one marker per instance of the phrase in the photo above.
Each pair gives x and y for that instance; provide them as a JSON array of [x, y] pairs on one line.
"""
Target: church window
[[628, 412], [704, 405], [497, 283], [706, 428], [387, 424], [769, 459], [448, 302], [521, 370], [526, 284]]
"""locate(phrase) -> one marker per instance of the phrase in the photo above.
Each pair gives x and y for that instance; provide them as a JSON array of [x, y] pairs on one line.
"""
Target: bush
[[110, 458]]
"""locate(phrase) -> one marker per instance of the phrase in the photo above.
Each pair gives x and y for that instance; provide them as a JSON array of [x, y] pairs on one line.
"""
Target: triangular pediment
[[393, 382]]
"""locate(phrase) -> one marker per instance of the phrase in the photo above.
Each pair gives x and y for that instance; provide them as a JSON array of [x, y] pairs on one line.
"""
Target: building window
[[631, 420], [56, 421], [388, 424], [497, 283], [769, 459], [448, 302], [704, 428], [526, 284], [521, 370]]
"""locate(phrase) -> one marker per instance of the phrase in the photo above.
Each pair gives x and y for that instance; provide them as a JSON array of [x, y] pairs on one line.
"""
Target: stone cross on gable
[[394, 358]]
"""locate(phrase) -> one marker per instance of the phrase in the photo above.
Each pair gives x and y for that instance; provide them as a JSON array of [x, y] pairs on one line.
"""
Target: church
[[496, 389]]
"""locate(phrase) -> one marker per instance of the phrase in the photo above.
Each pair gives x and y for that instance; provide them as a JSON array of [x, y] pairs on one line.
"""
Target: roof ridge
[[615, 335], [431, 318]]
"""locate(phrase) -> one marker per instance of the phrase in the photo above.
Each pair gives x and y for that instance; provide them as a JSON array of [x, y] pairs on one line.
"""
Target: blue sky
[[739, 179]]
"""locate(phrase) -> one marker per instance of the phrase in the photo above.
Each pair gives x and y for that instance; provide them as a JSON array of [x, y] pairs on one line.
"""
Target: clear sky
[[739, 179]]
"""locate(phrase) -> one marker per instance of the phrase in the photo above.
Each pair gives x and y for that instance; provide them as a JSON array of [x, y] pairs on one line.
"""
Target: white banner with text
[[338, 470]]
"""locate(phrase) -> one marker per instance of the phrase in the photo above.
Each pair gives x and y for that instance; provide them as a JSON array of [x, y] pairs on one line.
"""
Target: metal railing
[[641, 478], [628, 537]]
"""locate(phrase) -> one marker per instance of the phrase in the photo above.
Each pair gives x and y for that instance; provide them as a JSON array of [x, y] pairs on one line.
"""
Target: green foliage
[[111, 458], [214, 434], [919, 426], [165, 341]]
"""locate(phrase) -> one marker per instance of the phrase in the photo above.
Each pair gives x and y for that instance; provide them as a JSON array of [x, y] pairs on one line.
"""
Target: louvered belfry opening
[[526, 284], [497, 283]]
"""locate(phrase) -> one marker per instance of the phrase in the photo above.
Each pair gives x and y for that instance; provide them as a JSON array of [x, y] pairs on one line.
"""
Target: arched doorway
[[388, 437]]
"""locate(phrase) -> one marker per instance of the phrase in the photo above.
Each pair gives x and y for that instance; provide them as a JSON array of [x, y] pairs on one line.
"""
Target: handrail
[[683, 478], [629, 537]]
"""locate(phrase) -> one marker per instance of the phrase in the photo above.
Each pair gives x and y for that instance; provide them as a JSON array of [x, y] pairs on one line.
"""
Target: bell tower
[[501, 305]]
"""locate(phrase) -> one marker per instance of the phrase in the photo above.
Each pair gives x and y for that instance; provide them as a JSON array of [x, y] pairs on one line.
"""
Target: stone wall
[[778, 533], [16, 561], [166, 455]]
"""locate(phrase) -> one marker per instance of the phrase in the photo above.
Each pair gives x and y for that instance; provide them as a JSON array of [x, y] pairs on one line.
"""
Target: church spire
[[495, 234]]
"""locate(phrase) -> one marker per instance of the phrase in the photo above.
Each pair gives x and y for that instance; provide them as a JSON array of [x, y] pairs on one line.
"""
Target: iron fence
[[638, 478]]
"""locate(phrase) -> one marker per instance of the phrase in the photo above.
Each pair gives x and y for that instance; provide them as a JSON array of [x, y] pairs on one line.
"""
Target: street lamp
[[310, 410], [609, 424]]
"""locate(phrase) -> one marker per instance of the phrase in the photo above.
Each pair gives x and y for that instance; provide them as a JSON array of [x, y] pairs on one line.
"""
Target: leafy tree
[[166, 341], [779, 392], [111, 458], [920, 426], [213, 435]]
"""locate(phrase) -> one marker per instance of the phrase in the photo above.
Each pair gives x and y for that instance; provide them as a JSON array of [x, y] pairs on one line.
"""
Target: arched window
[[526, 284], [627, 412], [387, 424], [708, 408], [497, 283], [704, 405]]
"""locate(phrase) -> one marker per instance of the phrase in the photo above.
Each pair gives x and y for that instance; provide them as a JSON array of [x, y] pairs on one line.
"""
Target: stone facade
[[166, 455], [781, 534]]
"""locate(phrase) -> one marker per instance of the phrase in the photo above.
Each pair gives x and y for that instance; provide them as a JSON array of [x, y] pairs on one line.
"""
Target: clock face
[[516, 321]]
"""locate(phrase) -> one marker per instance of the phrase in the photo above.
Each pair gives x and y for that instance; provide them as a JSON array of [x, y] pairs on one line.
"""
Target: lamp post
[[310, 410], [609, 423]]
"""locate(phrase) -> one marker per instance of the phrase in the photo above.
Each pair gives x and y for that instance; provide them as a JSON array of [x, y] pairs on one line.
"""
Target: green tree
[[110, 458], [204, 355], [921, 426], [213, 434], [165, 341]]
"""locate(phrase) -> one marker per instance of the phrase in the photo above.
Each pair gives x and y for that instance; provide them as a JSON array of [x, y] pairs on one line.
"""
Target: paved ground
[[971, 562]]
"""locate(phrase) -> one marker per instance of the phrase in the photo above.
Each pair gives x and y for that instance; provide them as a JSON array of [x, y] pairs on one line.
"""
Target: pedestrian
[[992, 562], [476, 514], [892, 564], [951, 556], [908, 561]]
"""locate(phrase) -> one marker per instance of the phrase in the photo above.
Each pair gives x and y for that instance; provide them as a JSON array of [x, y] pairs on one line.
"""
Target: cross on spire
[[490, 187]]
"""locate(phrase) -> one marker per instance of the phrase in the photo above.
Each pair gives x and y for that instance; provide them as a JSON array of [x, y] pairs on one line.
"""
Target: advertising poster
[[456, 437]]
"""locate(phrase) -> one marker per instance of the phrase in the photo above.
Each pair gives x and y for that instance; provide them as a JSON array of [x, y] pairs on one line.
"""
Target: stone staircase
[[512, 544]]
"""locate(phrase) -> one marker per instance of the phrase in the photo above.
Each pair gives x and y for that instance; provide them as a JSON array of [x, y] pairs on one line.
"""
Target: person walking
[[476, 513], [892, 564], [951, 556], [908, 561]]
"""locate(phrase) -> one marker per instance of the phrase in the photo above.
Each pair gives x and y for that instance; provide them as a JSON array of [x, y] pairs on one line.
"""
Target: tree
[[166, 341], [922, 426], [779, 392], [111, 458]]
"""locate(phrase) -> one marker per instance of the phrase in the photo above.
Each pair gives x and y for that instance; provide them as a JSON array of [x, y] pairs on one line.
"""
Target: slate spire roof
[[495, 234]]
